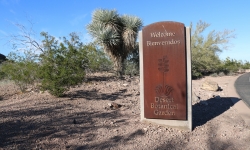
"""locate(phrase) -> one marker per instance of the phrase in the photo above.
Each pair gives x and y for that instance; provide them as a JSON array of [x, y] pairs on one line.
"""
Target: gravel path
[[84, 120]]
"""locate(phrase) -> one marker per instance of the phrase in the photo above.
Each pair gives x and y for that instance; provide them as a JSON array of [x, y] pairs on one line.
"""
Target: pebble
[[125, 85]]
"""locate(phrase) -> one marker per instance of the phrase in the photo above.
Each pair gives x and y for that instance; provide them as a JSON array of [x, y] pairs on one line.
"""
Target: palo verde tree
[[115, 34], [205, 50]]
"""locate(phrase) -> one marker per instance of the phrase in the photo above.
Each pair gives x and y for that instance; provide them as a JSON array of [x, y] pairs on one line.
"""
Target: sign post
[[165, 74]]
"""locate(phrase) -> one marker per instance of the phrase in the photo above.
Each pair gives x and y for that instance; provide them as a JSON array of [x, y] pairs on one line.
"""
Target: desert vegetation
[[64, 90], [116, 34], [205, 49], [57, 64]]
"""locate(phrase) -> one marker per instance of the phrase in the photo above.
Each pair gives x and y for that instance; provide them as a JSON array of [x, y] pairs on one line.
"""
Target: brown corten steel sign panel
[[164, 65]]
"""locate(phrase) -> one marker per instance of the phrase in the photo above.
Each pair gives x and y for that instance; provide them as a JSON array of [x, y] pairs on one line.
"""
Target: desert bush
[[221, 74], [97, 59], [132, 62], [2, 74], [230, 73], [23, 73], [205, 50], [246, 65], [231, 65], [2, 59], [62, 64], [214, 75], [22, 64], [131, 68]]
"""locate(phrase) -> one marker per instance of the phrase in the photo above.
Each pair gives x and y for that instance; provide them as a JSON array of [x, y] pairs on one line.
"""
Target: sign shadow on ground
[[205, 111]]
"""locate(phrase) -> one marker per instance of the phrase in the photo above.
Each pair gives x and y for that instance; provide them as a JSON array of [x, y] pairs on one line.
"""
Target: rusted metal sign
[[164, 69]]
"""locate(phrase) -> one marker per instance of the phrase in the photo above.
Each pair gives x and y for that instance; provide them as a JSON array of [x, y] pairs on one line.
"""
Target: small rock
[[125, 84], [128, 80], [145, 129], [114, 105], [28, 90], [195, 98], [210, 85]]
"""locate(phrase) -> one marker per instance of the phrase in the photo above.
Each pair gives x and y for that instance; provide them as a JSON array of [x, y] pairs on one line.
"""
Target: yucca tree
[[115, 34]]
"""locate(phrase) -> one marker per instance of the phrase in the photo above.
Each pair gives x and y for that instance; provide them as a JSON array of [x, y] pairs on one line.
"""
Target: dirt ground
[[83, 119]]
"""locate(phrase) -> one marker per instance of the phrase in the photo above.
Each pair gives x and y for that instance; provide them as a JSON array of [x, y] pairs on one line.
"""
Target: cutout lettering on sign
[[164, 67]]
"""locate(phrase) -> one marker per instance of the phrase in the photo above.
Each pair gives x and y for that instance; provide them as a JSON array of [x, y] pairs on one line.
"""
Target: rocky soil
[[83, 119]]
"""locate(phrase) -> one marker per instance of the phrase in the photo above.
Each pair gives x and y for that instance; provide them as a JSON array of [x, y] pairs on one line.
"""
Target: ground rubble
[[84, 119]]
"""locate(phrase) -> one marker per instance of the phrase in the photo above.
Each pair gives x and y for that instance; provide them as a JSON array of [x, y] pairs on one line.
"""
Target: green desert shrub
[[2, 59], [62, 65], [2, 74], [57, 67], [131, 68], [221, 74], [23, 73], [97, 59], [132, 62], [214, 75], [231, 65], [246, 65]]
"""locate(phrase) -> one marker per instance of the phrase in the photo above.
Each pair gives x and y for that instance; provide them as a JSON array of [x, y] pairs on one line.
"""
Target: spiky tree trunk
[[118, 57], [119, 65]]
